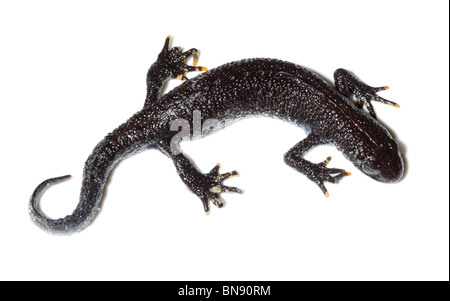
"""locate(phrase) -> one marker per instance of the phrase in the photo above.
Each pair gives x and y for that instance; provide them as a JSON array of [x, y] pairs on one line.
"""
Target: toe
[[227, 175], [231, 189]]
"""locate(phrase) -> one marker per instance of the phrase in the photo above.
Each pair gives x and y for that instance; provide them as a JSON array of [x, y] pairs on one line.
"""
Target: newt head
[[384, 165]]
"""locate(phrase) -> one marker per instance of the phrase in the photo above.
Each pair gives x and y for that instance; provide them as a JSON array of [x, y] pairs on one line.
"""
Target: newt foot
[[365, 94], [320, 174], [174, 61], [210, 187]]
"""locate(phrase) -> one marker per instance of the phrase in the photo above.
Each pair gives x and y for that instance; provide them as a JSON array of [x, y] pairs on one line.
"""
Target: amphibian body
[[232, 91]]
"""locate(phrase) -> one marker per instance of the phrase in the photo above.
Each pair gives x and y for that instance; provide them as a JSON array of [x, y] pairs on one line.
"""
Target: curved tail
[[65, 225], [82, 215], [96, 171], [123, 142], [94, 180]]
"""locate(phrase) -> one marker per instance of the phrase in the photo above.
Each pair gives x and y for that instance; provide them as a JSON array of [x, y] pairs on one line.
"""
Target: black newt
[[232, 91]]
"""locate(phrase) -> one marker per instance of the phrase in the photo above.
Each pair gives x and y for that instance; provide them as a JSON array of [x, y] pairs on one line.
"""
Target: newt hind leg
[[207, 186], [171, 63], [316, 172], [347, 84]]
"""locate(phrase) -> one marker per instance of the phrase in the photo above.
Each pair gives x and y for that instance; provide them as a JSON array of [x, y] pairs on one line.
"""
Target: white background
[[70, 72]]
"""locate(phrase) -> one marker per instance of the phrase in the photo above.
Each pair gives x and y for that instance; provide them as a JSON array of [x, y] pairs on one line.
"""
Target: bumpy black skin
[[249, 87]]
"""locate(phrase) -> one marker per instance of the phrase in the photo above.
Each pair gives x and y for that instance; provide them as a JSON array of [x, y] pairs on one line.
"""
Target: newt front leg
[[348, 84], [316, 172]]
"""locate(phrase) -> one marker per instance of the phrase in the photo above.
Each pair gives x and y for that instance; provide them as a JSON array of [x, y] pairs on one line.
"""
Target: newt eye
[[369, 170]]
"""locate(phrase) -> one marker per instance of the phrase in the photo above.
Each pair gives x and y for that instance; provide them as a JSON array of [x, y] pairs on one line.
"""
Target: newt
[[230, 92]]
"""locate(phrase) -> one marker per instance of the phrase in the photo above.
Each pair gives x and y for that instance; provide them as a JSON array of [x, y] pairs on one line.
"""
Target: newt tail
[[96, 171]]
